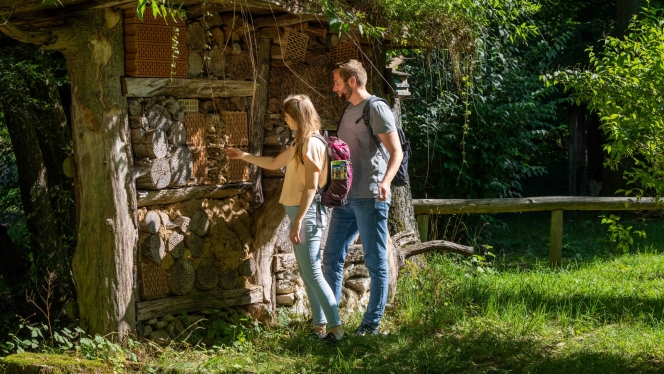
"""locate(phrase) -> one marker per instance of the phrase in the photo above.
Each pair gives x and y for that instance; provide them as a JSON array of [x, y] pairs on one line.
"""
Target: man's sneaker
[[332, 338], [365, 329]]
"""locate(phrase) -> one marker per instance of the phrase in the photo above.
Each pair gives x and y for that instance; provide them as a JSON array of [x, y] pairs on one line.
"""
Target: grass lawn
[[507, 313]]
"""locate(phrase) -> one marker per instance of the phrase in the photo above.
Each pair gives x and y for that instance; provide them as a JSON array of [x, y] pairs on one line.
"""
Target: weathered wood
[[533, 204], [154, 249], [177, 134], [151, 143], [435, 245], [423, 226], [556, 239], [278, 140], [152, 222], [265, 227], [247, 268], [154, 175], [166, 220], [217, 299], [183, 223], [158, 117], [261, 96], [200, 223], [182, 277], [189, 88], [182, 167], [285, 20], [176, 244], [148, 198]]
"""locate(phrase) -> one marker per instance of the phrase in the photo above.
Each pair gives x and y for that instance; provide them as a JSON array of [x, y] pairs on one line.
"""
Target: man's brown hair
[[352, 68]]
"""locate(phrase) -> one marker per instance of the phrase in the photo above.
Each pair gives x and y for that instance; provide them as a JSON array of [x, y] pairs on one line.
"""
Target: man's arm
[[393, 146]]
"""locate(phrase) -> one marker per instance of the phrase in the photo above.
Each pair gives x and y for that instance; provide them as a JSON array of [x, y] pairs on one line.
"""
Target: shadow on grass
[[413, 350]]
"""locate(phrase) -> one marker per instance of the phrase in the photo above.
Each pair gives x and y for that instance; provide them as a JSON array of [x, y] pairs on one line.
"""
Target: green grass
[[602, 313]]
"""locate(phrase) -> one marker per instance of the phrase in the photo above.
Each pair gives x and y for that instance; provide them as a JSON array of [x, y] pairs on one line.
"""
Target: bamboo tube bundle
[[151, 143], [181, 167], [182, 277], [207, 275], [154, 175]]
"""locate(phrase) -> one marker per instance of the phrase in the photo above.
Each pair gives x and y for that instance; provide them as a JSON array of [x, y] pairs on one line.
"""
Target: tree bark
[[105, 254], [258, 109]]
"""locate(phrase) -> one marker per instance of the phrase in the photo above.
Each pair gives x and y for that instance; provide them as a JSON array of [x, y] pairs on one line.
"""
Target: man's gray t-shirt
[[368, 164]]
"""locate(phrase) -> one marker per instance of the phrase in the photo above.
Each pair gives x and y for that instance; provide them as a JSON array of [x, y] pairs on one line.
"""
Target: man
[[370, 195]]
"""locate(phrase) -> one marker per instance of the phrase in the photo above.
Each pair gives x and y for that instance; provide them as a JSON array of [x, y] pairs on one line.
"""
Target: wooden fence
[[556, 204]]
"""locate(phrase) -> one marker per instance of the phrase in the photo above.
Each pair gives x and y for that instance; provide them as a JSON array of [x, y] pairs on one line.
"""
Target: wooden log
[[434, 245], [149, 198], [247, 268], [155, 175], [533, 204], [166, 221], [176, 244], [228, 280], [138, 122], [556, 239], [216, 299], [177, 134], [271, 33], [285, 20], [183, 223], [277, 139], [207, 275], [200, 223], [195, 244], [331, 40], [154, 249], [261, 96], [158, 117], [182, 277], [317, 32], [152, 143], [181, 166], [423, 226], [189, 88], [151, 223]]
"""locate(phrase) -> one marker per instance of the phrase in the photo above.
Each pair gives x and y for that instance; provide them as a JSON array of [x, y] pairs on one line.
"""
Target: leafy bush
[[625, 86], [480, 138]]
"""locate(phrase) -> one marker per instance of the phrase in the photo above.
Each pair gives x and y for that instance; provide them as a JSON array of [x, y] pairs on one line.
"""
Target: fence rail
[[556, 204]]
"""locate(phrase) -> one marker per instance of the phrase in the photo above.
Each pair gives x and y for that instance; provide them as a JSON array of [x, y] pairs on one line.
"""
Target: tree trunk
[[258, 109], [107, 230], [12, 268], [625, 10]]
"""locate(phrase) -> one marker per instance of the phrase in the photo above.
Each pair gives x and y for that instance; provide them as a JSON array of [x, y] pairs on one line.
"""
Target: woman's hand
[[234, 153], [295, 233]]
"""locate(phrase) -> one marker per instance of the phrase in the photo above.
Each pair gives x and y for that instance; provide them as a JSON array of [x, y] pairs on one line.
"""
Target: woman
[[306, 168]]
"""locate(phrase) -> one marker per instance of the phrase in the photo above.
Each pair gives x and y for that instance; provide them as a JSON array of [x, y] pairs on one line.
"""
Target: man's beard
[[346, 93]]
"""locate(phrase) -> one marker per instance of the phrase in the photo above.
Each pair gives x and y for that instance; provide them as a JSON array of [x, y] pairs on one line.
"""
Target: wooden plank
[[217, 299], [261, 96], [186, 88], [533, 204], [148, 198], [423, 226], [556, 239], [285, 20]]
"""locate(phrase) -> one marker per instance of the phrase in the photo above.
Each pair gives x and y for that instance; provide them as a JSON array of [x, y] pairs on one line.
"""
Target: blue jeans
[[321, 299], [369, 217]]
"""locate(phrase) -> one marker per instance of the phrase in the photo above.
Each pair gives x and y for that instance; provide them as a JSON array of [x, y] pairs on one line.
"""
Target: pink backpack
[[339, 172]]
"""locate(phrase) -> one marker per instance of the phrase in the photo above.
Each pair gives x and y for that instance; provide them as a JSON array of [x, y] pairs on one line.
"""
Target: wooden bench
[[556, 204]]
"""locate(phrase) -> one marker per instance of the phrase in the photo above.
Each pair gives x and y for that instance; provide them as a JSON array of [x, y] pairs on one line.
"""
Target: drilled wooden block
[[236, 128], [343, 51], [153, 282], [238, 171], [296, 46], [135, 33], [189, 105], [155, 68], [195, 124], [130, 16], [200, 166]]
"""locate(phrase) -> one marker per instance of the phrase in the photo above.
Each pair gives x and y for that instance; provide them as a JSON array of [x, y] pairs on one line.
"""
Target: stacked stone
[[167, 328]]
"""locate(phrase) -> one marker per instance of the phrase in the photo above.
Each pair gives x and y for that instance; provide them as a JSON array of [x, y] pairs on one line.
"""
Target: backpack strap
[[317, 136], [366, 116]]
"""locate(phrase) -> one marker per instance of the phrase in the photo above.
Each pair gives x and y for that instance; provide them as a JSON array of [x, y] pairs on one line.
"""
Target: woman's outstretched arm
[[270, 163]]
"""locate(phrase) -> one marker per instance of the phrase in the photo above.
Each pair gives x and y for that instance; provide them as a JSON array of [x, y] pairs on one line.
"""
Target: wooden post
[[556, 246], [423, 227]]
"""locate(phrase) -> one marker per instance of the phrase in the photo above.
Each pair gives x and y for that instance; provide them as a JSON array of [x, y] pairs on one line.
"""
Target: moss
[[51, 363]]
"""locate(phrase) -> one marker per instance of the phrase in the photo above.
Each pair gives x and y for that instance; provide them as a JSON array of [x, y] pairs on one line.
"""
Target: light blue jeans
[[324, 307], [369, 218]]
